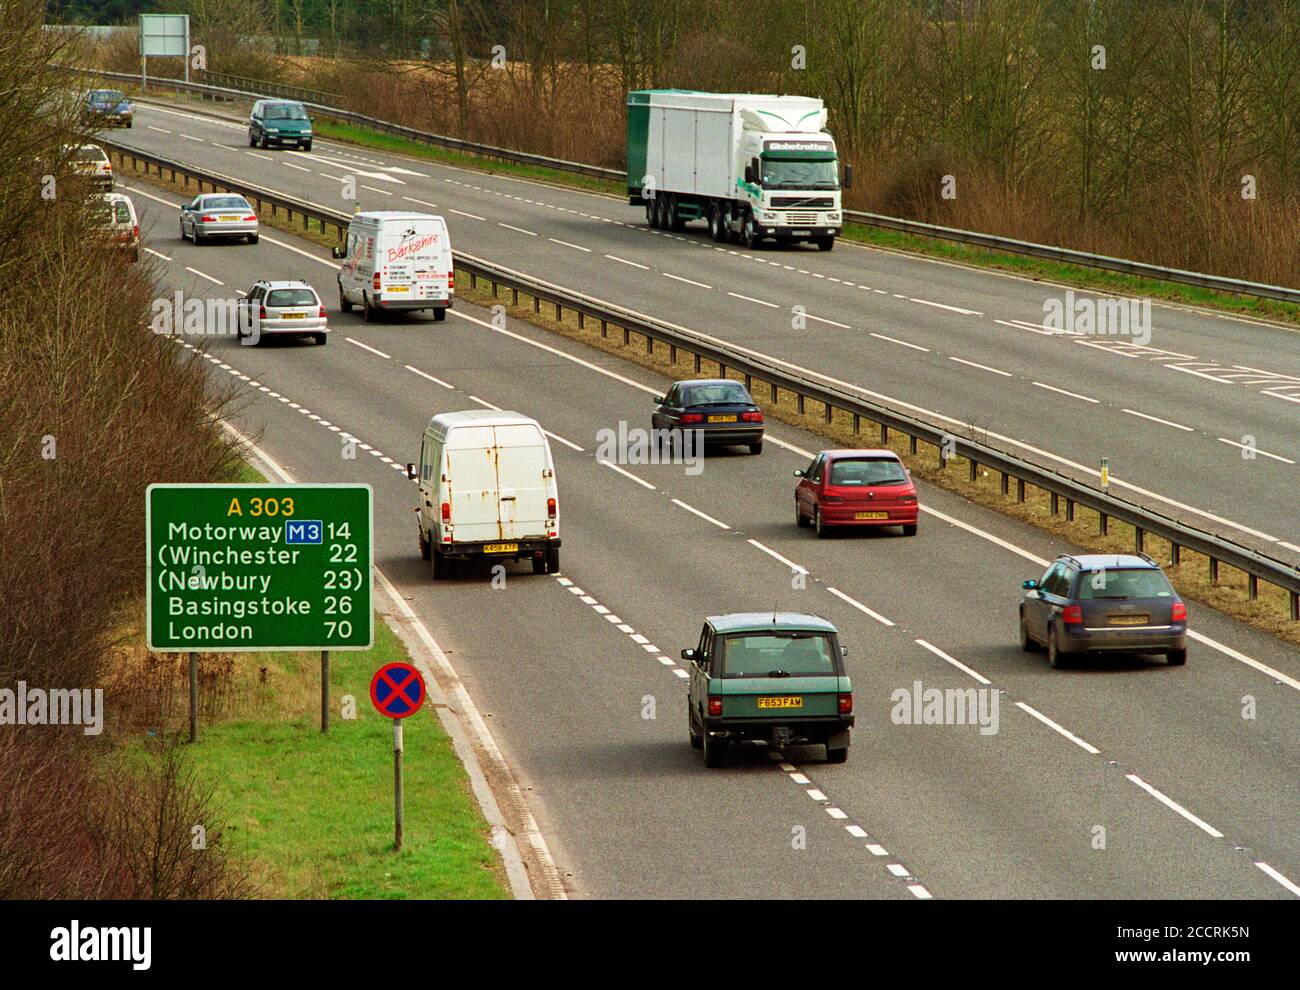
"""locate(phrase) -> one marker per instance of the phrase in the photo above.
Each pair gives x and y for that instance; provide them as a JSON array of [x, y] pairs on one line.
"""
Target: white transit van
[[396, 261], [487, 491]]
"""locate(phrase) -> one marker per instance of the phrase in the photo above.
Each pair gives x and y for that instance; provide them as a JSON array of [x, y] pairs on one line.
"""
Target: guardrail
[[1217, 549], [973, 238], [266, 87]]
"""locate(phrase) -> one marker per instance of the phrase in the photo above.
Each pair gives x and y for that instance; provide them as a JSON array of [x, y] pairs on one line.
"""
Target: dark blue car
[[108, 108]]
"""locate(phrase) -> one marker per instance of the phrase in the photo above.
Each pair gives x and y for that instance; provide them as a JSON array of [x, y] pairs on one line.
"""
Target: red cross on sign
[[397, 690]]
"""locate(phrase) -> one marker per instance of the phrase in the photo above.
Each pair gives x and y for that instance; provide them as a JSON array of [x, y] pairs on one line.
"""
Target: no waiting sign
[[259, 567]]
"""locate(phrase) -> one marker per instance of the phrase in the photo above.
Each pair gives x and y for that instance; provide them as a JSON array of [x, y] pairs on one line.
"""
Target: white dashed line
[[822, 319], [517, 230], [904, 343], [628, 474], [1085, 746], [367, 347], [1157, 419], [705, 517], [955, 309], [1262, 453], [688, 281], [462, 213], [860, 607], [772, 553], [982, 367], [425, 374], [761, 302], [1278, 877], [158, 254], [624, 261], [204, 275], [952, 660], [576, 247], [1072, 395], [1174, 806]]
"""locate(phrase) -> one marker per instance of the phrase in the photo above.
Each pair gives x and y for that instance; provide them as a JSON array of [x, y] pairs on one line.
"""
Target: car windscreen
[[89, 155], [774, 654], [285, 111], [1123, 582], [226, 203], [109, 97], [720, 393], [109, 213], [866, 471], [291, 297]]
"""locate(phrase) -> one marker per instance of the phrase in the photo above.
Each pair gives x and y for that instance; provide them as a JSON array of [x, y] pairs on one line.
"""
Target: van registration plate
[[397, 288], [501, 548], [786, 701]]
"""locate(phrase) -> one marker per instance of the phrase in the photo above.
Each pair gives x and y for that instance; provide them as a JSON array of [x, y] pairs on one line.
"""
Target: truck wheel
[[825, 243], [716, 229], [439, 315], [650, 216], [837, 755], [752, 240], [675, 221], [661, 211], [344, 304], [552, 560], [715, 750]]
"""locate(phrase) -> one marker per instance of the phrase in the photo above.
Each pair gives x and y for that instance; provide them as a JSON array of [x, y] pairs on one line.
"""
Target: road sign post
[[397, 691], [248, 568]]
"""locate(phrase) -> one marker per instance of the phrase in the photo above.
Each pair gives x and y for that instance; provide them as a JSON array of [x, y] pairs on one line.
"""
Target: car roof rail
[[1147, 558], [1071, 558]]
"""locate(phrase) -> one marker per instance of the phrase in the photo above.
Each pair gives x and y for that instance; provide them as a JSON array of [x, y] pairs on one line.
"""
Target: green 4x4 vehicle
[[775, 676]]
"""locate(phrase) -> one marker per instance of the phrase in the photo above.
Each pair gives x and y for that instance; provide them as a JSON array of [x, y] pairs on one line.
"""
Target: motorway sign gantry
[[259, 567]]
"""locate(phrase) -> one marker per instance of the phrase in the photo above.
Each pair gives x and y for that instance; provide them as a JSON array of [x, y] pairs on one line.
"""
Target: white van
[[396, 261], [487, 491]]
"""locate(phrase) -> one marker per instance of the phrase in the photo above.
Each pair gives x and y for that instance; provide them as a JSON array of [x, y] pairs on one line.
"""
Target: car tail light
[[105, 167], [715, 704], [832, 498], [1179, 613], [135, 231], [550, 508], [374, 284], [446, 512], [907, 499], [251, 216], [751, 417], [846, 704], [1072, 615], [261, 315], [692, 418], [207, 219], [322, 312]]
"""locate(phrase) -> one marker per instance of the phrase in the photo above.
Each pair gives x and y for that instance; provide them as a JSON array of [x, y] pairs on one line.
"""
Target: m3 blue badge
[[303, 531]]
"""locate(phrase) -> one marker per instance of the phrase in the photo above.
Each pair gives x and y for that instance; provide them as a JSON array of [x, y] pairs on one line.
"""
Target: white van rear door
[[471, 485], [411, 259], [521, 477]]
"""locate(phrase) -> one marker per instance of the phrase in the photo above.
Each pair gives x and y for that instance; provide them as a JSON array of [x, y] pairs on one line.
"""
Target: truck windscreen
[[797, 173]]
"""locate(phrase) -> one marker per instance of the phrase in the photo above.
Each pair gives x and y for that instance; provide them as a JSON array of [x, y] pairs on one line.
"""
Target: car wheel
[[263, 143], [1056, 657], [252, 141], [344, 304], [909, 530], [368, 312], [825, 243], [320, 338], [715, 750], [552, 560], [837, 755], [823, 530], [252, 238], [1176, 658], [195, 236], [756, 447], [800, 519], [694, 734], [135, 254], [439, 315], [184, 236], [307, 146], [1027, 643]]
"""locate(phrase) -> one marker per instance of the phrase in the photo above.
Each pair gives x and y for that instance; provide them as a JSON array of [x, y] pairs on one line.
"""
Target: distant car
[[116, 219], [774, 676], [279, 122], [855, 488], [218, 215], [109, 107], [283, 307], [720, 410], [90, 163], [1103, 602]]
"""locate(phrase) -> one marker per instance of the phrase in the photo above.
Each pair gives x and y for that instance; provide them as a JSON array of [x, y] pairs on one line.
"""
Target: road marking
[[822, 319], [1086, 746], [1175, 806], [954, 661], [188, 138], [1157, 419], [688, 281], [203, 275], [1228, 651], [576, 247], [919, 891], [382, 192], [816, 795], [470, 215], [424, 374], [955, 309], [422, 202], [877, 850], [1278, 877], [895, 340], [624, 261], [518, 230], [266, 158], [1073, 395], [772, 553], [836, 813], [292, 165], [367, 347], [627, 474], [1262, 453], [484, 403], [568, 443], [982, 367], [856, 831], [158, 254], [162, 130], [705, 517], [297, 250], [737, 295], [859, 606], [799, 778]]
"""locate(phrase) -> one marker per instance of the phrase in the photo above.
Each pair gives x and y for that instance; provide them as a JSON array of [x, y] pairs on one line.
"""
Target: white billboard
[[165, 35]]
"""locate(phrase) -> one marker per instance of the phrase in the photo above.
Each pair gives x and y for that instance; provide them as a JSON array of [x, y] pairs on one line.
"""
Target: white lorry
[[394, 261], [754, 167], [487, 491]]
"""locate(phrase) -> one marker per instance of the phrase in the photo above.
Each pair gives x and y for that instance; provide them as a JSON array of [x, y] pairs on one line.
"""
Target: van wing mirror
[[337, 252], [844, 651], [688, 654], [410, 471]]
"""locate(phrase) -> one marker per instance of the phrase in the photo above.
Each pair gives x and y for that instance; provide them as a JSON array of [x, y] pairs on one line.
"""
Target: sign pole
[[397, 784], [324, 690], [194, 697]]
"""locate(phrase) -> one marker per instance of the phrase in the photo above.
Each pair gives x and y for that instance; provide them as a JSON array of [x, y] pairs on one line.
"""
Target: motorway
[[964, 347], [1195, 801]]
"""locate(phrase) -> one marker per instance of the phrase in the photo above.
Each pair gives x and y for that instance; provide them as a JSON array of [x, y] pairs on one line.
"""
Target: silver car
[[282, 307], [218, 215]]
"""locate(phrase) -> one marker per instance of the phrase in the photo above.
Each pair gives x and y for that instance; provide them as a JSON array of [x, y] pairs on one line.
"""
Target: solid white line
[[859, 606], [624, 261], [737, 295], [772, 553], [1157, 419], [688, 281], [1087, 747], [1174, 806], [1289, 546], [982, 367], [954, 661], [706, 518], [158, 254], [1278, 877], [955, 309], [203, 275], [518, 230], [436, 381], [576, 247], [627, 474], [470, 215], [568, 443], [368, 348], [894, 340], [822, 319], [1262, 453], [1073, 395]]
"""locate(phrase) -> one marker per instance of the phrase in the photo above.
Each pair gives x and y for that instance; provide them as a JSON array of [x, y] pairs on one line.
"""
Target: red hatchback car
[[855, 488]]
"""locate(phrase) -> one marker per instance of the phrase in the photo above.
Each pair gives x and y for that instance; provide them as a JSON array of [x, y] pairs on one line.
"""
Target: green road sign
[[259, 567]]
